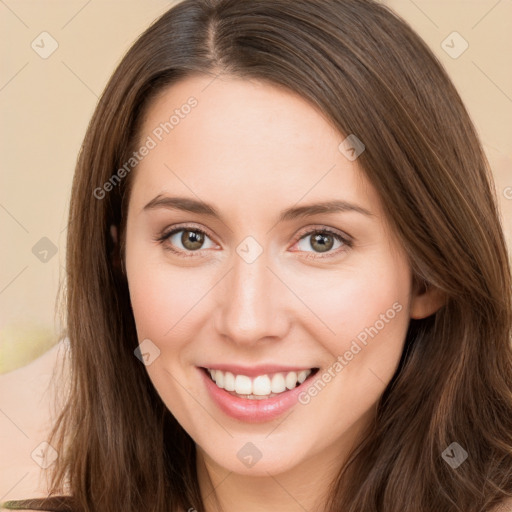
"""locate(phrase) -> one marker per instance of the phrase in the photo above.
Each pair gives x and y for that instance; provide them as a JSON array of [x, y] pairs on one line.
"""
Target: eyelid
[[179, 227], [319, 228], [346, 239], [166, 233]]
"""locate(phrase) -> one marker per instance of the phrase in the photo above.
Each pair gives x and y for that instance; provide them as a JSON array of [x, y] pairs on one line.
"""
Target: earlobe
[[426, 300]]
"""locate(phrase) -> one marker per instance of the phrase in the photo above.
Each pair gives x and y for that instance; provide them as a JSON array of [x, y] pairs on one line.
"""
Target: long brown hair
[[371, 75]]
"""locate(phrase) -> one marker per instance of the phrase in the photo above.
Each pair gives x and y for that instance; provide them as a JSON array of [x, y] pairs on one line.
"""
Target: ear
[[426, 299], [113, 233], [115, 250]]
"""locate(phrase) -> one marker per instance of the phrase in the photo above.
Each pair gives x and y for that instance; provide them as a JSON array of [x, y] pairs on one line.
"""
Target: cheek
[[364, 312], [161, 298], [367, 310], [163, 301], [161, 294], [356, 297]]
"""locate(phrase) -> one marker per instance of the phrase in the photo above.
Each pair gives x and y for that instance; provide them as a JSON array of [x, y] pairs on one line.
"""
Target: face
[[243, 276]]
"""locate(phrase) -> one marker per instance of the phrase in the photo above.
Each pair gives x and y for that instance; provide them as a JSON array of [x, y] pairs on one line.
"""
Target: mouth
[[259, 387]]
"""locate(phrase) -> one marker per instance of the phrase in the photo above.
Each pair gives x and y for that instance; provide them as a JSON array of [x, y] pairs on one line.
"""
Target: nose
[[253, 304]]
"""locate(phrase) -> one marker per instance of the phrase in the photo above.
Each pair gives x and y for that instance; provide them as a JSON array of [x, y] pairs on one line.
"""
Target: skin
[[252, 149]]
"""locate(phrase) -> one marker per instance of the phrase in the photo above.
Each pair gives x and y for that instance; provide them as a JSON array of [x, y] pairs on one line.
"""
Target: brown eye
[[186, 241], [192, 240], [322, 242]]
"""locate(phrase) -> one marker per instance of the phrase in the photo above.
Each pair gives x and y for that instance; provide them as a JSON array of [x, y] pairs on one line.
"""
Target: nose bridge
[[250, 303]]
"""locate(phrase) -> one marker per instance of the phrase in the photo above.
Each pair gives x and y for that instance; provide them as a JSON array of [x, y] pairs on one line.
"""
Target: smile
[[263, 396], [261, 386]]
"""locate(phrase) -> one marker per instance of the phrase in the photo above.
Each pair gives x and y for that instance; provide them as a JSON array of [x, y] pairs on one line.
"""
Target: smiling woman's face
[[253, 291]]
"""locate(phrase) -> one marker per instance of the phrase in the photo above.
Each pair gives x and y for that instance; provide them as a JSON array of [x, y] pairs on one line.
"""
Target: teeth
[[278, 383], [243, 384], [302, 376], [262, 386], [229, 381], [219, 379], [291, 380]]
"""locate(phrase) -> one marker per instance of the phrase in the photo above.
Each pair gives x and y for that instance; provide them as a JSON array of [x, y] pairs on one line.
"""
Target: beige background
[[46, 105]]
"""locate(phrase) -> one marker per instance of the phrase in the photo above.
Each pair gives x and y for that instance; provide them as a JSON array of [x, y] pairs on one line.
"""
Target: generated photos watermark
[[343, 360], [151, 142]]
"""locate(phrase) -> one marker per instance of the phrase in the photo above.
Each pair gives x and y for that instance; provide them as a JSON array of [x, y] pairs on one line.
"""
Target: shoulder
[[48, 504], [19, 505]]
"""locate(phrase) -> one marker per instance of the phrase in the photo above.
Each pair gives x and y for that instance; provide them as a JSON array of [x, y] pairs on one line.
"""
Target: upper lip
[[255, 370]]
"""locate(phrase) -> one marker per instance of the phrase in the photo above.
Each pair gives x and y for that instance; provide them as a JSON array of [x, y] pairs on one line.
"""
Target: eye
[[188, 241], [185, 239], [322, 241]]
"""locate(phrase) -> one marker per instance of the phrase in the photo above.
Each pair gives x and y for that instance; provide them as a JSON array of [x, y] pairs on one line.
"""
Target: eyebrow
[[194, 206]]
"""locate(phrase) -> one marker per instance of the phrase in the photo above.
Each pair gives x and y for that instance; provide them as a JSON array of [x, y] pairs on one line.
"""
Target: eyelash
[[165, 235]]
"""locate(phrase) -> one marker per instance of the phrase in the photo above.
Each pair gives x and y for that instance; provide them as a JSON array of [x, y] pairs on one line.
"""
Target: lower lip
[[253, 411]]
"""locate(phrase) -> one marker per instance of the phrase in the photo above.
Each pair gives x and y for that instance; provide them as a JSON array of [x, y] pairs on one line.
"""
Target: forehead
[[214, 134], [237, 104]]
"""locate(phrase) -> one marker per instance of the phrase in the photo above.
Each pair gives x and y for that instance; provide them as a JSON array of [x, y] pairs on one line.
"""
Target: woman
[[288, 286]]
